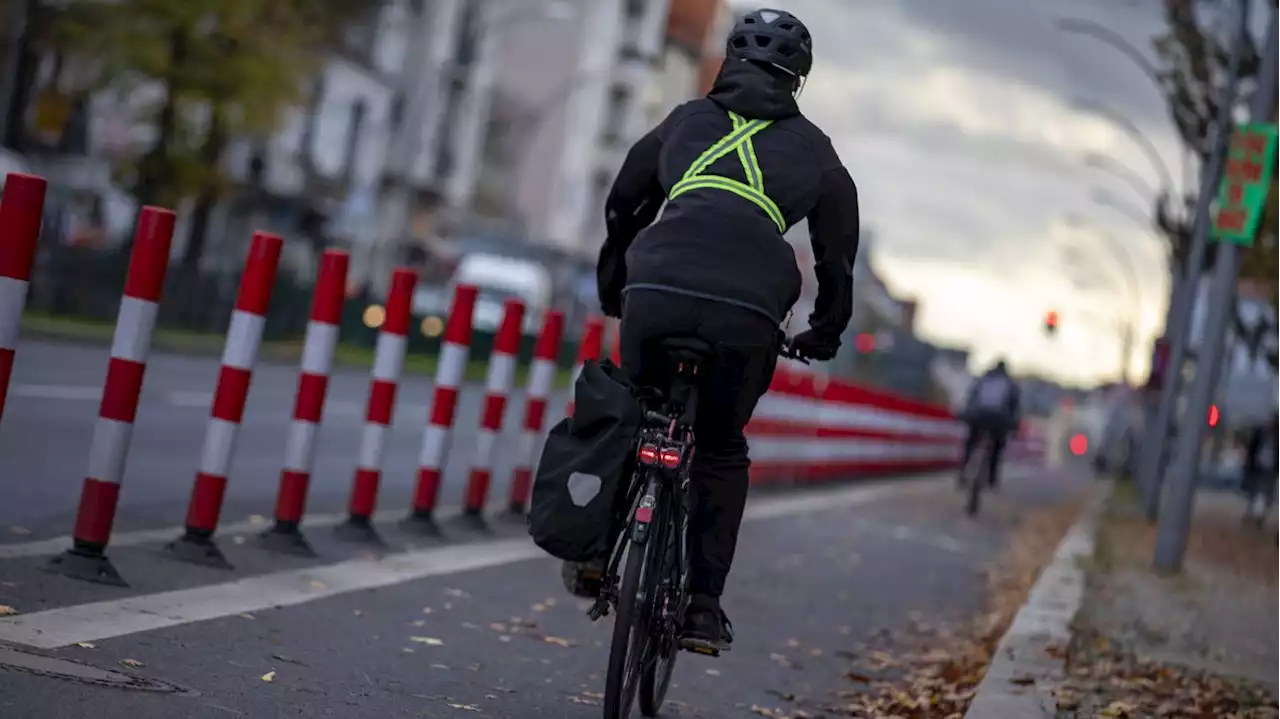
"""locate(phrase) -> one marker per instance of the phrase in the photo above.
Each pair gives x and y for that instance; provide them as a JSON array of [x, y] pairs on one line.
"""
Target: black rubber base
[[359, 530], [473, 522], [86, 565], [197, 549], [286, 538], [423, 525]]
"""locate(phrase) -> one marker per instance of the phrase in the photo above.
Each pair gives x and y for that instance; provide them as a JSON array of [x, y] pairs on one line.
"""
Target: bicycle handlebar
[[789, 351]]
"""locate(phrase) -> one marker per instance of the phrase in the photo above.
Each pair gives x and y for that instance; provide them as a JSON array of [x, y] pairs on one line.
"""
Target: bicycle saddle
[[686, 349]]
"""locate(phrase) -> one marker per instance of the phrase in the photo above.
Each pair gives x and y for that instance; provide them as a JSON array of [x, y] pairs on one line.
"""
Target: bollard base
[[197, 548], [423, 525], [359, 530], [474, 521], [286, 538], [86, 564]]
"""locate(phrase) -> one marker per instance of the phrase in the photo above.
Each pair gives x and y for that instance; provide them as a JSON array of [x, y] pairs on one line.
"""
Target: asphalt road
[[815, 576], [53, 403]]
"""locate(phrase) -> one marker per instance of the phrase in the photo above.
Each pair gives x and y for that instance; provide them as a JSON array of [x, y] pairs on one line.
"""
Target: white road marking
[[103, 620], [75, 393]]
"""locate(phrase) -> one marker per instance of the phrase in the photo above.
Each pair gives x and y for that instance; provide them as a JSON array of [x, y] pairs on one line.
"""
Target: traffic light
[[1051, 322], [1214, 415]]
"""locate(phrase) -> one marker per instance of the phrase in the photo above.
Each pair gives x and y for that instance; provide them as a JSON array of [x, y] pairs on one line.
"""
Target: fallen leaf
[[7, 611], [1023, 681], [257, 519], [269, 676], [246, 615], [86, 645], [429, 641], [558, 641], [132, 663], [466, 707]]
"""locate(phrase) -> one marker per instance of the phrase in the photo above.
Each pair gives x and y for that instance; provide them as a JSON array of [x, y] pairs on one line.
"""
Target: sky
[[966, 124]]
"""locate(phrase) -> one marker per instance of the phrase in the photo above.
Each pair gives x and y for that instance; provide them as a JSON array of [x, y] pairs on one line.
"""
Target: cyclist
[[992, 406], [736, 170]]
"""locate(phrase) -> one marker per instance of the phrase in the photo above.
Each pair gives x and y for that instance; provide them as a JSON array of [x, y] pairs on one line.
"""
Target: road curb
[[1031, 657]]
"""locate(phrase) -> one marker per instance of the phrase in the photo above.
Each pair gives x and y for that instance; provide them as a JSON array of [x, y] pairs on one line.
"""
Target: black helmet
[[773, 37]]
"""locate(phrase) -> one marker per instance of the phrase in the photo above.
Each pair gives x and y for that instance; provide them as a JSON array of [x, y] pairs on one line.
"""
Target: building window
[[354, 128], [616, 112]]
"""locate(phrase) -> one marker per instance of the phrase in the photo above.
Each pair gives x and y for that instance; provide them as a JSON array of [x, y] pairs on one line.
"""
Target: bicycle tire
[[626, 633], [973, 501], [655, 676]]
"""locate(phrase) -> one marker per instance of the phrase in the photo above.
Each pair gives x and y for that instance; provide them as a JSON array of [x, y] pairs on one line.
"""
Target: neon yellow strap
[[740, 189], [753, 189], [727, 144]]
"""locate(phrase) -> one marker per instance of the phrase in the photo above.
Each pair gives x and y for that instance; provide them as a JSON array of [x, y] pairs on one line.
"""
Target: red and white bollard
[[21, 209], [498, 384], [450, 372], [308, 408], [109, 450], [244, 336], [542, 375], [590, 349], [387, 362]]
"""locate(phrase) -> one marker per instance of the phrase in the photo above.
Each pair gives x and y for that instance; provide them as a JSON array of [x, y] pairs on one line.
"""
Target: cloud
[[962, 124]]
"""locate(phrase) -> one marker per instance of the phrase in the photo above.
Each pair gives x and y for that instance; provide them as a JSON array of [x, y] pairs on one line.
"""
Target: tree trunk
[[153, 168]]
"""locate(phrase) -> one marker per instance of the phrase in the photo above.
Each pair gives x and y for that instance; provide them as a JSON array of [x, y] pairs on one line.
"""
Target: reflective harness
[[753, 188]]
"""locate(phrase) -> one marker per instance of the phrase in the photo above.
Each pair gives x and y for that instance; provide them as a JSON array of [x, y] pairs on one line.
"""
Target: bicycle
[[976, 473], [650, 593]]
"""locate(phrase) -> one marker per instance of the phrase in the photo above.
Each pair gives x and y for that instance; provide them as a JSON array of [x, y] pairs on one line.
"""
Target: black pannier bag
[[580, 484]]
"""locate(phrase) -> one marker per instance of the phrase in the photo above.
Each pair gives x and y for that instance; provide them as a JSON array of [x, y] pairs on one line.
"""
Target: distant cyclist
[[993, 406], [736, 170]]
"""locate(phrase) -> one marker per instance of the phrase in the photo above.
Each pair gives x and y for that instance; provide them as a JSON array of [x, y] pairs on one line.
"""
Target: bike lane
[[507, 642]]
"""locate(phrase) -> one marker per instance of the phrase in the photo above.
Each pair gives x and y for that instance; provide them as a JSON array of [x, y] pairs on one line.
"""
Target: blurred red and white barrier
[[388, 360], [498, 383], [121, 392], [308, 407], [238, 357], [542, 375], [451, 369], [810, 428], [21, 209]]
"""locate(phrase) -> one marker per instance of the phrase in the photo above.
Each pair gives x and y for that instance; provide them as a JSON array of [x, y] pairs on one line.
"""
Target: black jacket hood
[[751, 91]]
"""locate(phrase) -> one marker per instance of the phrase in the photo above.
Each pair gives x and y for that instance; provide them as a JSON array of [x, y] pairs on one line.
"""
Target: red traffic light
[[1051, 321], [1214, 415], [865, 342]]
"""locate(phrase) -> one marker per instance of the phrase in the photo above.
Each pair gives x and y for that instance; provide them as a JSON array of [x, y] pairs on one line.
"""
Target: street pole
[[1175, 520], [9, 63], [1177, 323]]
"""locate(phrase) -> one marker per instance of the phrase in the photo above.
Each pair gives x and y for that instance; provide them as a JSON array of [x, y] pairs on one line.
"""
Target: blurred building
[[571, 95]]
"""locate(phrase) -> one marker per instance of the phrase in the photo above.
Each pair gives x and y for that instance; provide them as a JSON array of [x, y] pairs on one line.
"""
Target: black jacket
[[1010, 412], [713, 244]]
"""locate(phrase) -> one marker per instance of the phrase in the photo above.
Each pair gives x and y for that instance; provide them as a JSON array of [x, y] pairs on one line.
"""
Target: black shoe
[[583, 579], [706, 628]]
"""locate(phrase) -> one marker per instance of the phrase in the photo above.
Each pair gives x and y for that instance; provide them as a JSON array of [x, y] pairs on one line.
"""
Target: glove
[[815, 345]]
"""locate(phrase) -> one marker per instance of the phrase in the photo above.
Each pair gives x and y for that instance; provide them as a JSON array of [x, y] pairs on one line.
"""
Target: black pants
[[998, 429], [746, 352]]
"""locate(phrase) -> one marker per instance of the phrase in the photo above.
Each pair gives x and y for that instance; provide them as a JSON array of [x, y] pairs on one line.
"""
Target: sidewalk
[[1199, 644]]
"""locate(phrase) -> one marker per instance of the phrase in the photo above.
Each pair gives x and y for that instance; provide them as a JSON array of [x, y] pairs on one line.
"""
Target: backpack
[[993, 393], [580, 484]]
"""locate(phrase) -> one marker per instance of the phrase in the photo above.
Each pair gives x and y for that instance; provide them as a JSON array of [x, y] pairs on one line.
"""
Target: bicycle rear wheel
[[631, 637], [977, 478], [660, 664]]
